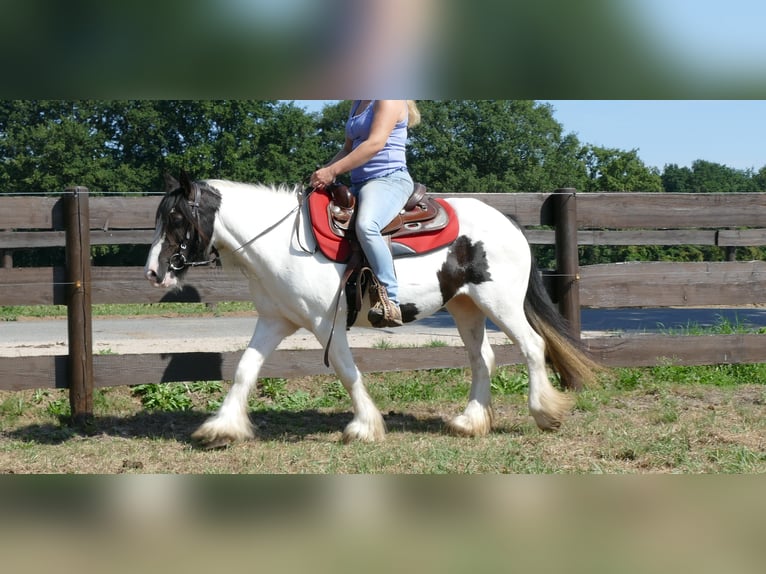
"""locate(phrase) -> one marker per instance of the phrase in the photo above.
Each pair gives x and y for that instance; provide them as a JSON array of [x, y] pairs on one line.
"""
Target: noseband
[[179, 260]]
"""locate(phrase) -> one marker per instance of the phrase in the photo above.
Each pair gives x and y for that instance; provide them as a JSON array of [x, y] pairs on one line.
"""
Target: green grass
[[13, 312], [722, 326], [662, 419]]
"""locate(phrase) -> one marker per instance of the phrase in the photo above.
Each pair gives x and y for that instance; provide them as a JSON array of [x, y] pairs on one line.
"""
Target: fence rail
[[563, 219]]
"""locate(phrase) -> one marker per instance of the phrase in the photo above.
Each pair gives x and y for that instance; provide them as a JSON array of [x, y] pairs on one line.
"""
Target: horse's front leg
[[231, 423], [368, 424]]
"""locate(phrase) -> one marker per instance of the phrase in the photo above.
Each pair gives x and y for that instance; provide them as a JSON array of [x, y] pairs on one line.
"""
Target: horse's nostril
[[151, 275]]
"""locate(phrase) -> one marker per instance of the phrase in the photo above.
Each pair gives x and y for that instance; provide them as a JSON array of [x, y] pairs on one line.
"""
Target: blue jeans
[[379, 201]]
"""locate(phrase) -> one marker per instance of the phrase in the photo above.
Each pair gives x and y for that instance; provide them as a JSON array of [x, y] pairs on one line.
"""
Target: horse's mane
[[282, 189]]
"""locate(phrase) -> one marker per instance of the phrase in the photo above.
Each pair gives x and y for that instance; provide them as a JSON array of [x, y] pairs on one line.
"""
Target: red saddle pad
[[338, 248]]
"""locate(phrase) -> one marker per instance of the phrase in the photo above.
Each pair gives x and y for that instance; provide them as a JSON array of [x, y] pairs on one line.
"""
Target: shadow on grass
[[290, 426]]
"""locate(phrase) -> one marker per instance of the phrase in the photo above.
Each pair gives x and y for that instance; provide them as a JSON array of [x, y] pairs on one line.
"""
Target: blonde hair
[[413, 113]]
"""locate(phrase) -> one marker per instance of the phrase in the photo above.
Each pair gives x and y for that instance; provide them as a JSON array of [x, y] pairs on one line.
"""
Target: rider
[[374, 153]]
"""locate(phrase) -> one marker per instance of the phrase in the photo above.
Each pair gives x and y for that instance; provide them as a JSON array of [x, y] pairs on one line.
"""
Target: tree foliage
[[125, 146], [709, 177]]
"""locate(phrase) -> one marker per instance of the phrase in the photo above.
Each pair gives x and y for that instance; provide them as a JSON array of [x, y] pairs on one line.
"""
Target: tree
[[709, 177], [126, 146], [492, 146], [612, 169]]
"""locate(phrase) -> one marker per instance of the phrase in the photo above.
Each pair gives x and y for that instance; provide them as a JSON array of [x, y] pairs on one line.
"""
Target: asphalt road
[[158, 334]]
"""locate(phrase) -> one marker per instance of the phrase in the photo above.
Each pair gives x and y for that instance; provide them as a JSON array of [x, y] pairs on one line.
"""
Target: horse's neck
[[248, 212]]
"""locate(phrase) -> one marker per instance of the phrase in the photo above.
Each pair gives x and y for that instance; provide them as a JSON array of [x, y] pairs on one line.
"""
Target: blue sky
[[729, 132]]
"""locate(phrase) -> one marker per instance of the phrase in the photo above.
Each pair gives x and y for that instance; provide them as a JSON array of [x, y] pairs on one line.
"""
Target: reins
[[178, 261]]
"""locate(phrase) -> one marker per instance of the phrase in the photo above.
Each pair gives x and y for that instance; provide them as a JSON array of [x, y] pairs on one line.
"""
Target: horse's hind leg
[[367, 424], [476, 419], [232, 423], [547, 405]]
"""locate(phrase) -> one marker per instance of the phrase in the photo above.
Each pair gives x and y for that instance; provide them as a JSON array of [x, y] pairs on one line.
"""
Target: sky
[[728, 132]]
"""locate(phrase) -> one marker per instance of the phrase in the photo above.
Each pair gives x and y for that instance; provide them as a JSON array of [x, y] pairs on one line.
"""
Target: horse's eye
[[175, 219]]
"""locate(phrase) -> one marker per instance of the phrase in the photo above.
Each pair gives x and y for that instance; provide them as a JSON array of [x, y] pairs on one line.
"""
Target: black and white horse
[[487, 272]]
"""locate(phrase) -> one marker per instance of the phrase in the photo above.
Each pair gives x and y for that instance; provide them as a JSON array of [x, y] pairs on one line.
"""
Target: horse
[[488, 271]]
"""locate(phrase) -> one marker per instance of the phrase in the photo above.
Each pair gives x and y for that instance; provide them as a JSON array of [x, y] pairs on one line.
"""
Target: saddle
[[420, 214], [423, 225]]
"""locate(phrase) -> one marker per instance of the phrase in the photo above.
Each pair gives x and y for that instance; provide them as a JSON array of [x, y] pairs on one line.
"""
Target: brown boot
[[384, 312]]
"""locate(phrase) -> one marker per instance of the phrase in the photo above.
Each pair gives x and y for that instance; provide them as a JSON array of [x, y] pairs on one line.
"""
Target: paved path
[[159, 334]]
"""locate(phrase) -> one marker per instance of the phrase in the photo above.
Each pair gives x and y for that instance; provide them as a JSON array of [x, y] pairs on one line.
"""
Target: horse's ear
[[186, 184], [171, 183]]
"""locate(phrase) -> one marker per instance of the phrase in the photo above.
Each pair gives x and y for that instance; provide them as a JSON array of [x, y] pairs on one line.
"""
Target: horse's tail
[[567, 355]]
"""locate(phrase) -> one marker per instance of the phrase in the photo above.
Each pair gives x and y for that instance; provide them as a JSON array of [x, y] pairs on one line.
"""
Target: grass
[[657, 420], [722, 326], [13, 313], [665, 419]]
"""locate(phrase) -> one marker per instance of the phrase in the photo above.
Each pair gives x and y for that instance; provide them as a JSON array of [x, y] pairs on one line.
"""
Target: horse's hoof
[[546, 423], [355, 432], [475, 421]]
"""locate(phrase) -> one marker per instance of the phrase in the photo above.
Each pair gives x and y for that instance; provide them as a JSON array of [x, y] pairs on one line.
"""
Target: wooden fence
[[564, 219]]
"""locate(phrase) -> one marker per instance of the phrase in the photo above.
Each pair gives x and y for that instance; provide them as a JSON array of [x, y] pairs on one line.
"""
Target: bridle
[[179, 260]]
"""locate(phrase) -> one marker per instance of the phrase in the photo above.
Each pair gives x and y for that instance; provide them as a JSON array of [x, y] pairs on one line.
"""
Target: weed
[[509, 381], [272, 387], [586, 401], [59, 408], [13, 407], [382, 344], [164, 396]]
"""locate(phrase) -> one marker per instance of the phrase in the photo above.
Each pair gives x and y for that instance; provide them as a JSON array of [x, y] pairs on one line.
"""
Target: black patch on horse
[[409, 312], [466, 263]]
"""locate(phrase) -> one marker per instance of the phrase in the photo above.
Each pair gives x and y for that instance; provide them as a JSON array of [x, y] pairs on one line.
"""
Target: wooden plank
[[123, 212], [31, 239], [206, 285], [23, 373], [647, 237], [30, 213], [37, 239], [529, 209], [670, 210], [673, 284], [33, 286], [47, 286], [742, 237], [657, 350], [178, 367], [20, 373]]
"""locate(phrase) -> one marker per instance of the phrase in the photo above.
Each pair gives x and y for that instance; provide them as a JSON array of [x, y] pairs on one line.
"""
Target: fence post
[[79, 323], [567, 284]]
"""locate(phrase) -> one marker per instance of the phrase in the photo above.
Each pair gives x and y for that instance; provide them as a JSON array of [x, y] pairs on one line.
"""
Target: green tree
[[612, 169], [492, 146], [709, 177], [126, 146]]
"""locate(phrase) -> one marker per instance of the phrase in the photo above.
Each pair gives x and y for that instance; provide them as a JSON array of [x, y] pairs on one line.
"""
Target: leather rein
[[179, 260]]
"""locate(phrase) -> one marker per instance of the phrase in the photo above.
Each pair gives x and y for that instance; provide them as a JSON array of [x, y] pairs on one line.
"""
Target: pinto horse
[[486, 272]]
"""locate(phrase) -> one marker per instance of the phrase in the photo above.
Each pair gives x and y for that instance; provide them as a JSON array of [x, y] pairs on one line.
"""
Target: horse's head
[[184, 231]]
